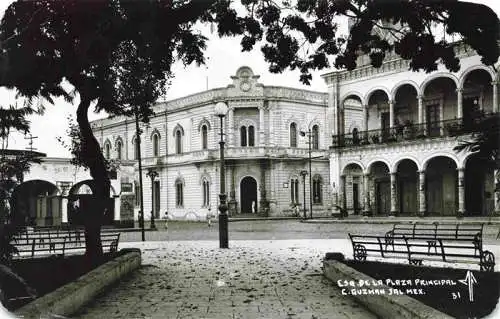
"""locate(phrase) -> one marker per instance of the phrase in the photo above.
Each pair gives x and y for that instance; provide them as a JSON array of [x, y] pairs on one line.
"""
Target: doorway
[[385, 125], [355, 198], [432, 120], [156, 192], [383, 191], [470, 109], [248, 195]]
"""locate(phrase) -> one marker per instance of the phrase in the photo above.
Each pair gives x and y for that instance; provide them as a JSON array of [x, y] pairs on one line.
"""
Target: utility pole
[[31, 138]]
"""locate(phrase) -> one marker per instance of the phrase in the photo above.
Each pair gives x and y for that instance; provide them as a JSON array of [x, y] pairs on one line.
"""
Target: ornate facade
[[265, 151], [394, 134], [381, 143]]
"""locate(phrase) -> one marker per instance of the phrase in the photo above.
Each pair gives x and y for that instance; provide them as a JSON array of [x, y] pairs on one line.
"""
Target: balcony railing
[[406, 132]]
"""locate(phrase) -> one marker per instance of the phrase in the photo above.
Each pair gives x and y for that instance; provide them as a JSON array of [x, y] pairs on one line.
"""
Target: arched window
[[294, 190], [206, 193], [119, 149], [156, 145], [293, 135], [251, 136], [317, 192], [179, 193], [178, 142], [204, 137], [315, 137], [243, 134], [107, 150]]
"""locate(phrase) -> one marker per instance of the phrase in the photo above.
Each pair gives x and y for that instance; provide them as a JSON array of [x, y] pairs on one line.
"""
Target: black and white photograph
[[253, 159]]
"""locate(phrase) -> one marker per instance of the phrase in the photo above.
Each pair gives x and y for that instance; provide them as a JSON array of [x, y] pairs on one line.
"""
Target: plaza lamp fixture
[[220, 110], [152, 174], [304, 174], [309, 134], [138, 141]]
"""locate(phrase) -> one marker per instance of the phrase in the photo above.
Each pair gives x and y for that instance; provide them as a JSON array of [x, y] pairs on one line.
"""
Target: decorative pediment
[[155, 132], [204, 121], [178, 127]]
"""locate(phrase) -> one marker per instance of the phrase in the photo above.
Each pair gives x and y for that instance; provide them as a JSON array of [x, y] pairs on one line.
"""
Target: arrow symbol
[[469, 281]]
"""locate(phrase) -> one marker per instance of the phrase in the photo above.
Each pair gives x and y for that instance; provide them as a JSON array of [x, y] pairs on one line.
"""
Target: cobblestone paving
[[252, 279]]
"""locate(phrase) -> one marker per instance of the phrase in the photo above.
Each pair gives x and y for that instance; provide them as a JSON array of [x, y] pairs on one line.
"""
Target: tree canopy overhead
[[118, 53]]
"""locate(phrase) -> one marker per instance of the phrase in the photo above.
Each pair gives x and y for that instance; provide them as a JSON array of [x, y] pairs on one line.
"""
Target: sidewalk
[[251, 279], [359, 219]]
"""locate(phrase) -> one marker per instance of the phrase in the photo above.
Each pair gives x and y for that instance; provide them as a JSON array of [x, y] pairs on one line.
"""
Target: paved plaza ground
[[251, 279]]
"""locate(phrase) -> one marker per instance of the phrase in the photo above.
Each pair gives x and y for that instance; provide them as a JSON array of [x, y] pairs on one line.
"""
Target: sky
[[224, 57]]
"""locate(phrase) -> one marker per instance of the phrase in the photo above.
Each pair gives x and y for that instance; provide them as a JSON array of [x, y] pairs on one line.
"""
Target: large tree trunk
[[92, 157]]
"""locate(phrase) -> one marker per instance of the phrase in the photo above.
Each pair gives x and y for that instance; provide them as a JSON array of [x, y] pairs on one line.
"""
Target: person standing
[[166, 220]]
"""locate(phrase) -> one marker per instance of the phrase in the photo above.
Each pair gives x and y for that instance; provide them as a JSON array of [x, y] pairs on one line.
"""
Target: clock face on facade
[[245, 86]]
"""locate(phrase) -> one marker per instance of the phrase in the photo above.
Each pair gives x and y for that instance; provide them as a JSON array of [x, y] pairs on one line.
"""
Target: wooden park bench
[[431, 232], [416, 249], [59, 243]]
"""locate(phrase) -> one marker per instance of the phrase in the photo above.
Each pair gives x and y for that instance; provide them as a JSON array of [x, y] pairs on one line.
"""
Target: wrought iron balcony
[[407, 132]]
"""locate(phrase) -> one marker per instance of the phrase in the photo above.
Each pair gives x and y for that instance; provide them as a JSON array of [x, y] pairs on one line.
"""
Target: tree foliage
[[484, 139], [118, 54]]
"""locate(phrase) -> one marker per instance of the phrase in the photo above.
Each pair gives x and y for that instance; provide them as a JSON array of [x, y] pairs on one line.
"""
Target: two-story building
[[381, 142], [265, 151], [394, 133]]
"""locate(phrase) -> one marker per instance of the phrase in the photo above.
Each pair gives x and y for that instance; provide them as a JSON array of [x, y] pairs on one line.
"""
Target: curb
[[383, 305], [405, 221], [66, 300], [245, 219]]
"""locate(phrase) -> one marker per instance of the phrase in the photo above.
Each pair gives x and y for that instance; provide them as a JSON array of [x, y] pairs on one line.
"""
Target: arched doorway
[[479, 186], [81, 199], [248, 194], [379, 174], [353, 187], [407, 174], [35, 202], [441, 186]]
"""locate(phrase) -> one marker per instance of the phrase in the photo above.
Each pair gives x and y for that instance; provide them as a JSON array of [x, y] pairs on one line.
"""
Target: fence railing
[[407, 132]]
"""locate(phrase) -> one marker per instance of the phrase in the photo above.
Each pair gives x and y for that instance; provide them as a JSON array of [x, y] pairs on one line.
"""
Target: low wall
[[384, 306], [67, 299]]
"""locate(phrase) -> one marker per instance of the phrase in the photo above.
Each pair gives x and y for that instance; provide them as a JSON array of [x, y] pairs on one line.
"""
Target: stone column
[[394, 194], [116, 219], [272, 191], [64, 210], [495, 96], [270, 140], [459, 103], [421, 193], [229, 128], [420, 101], [421, 117], [391, 113], [261, 126], [365, 108], [461, 192], [342, 193], [262, 188], [366, 195]]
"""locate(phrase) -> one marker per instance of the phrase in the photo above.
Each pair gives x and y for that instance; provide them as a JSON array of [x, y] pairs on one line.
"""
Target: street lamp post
[[138, 141], [304, 174], [152, 174], [309, 134], [220, 111]]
